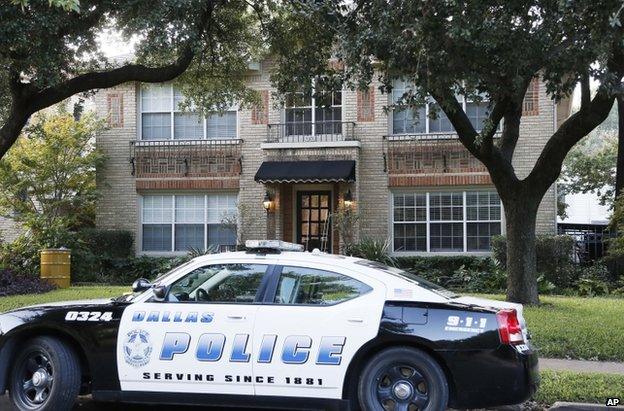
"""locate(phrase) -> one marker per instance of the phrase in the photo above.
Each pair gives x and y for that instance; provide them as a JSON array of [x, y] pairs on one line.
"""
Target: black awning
[[330, 171]]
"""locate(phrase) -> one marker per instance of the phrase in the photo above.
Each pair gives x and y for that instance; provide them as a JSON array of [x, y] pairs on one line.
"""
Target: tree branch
[[585, 92]]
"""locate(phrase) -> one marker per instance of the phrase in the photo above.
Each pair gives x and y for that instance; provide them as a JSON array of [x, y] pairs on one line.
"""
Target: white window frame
[[173, 223], [313, 108], [428, 220], [430, 101], [172, 111]]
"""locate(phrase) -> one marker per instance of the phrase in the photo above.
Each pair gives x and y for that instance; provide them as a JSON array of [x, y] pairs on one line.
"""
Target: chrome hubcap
[[402, 390], [37, 379]]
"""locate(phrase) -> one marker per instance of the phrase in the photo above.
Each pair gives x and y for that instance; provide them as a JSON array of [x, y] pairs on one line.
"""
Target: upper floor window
[[454, 221], [312, 115], [298, 285], [184, 222], [163, 119], [417, 120], [530, 105]]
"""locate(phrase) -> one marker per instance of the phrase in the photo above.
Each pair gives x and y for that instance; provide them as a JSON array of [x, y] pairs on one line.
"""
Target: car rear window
[[421, 282]]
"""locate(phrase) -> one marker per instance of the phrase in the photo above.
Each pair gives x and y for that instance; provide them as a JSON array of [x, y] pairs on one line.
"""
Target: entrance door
[[313, 223]]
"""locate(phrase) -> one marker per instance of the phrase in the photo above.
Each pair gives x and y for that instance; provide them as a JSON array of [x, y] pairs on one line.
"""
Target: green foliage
[[47, 180], [593, 280], [372, 249], [590, 167], [577, 387], [554, 259], [616, 244], [49, 46], [345, 221]]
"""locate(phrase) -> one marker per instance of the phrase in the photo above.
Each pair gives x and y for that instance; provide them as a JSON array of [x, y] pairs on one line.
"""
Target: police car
[[272, 327]]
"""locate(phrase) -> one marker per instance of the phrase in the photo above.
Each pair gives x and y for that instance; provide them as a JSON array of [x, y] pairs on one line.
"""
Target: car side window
[[308, 286], [219, 283]]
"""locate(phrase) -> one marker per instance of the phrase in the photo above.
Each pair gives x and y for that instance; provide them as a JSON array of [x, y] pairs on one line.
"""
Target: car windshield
[[131, 296], [428, 285]]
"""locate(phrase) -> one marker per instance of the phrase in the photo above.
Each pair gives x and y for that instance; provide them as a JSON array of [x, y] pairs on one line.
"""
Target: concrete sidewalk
[[603, 367], [571, 406]]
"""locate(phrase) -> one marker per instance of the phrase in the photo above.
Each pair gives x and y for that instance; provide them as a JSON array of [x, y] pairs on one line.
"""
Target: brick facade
[[119, 204]]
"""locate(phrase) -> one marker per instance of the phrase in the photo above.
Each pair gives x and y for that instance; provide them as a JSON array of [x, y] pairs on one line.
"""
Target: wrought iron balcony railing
[[428, 154], [309, 132], [185, 158]]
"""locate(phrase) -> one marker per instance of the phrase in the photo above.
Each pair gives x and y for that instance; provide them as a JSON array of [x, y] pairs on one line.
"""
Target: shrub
[[554, 258], [12, 283], [372, 249], [99, 255], [593, 280]]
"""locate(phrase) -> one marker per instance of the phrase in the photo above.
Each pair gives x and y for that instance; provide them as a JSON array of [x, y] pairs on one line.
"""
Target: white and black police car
[[272, 328]]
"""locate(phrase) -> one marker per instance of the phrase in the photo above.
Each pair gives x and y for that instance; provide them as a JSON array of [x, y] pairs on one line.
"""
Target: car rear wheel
[[403, 379], [45, 376]]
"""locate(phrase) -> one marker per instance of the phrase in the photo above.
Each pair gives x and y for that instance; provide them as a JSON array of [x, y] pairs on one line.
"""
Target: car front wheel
[[403, 379], [45, 376]]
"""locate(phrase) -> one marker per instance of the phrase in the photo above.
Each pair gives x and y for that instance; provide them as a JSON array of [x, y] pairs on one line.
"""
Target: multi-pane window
[[162, 117], [184, 222], [313, 115], [454, 221], [421, 120]]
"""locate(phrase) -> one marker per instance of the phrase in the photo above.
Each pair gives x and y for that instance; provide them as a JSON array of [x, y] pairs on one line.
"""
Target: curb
[[575, 406]]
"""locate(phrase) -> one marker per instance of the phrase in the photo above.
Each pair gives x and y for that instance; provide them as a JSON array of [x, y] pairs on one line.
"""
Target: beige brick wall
[[534, 133], [118, 206]]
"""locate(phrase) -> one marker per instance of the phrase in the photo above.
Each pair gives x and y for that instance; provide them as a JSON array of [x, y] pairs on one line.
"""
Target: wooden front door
[[313, 222]]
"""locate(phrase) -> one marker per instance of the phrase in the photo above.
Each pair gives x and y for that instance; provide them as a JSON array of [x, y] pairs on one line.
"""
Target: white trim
[[451, 189], [172, 252]]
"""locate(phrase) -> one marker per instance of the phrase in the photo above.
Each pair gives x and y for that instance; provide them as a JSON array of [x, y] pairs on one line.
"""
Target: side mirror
[[160, 292], [141, 284]]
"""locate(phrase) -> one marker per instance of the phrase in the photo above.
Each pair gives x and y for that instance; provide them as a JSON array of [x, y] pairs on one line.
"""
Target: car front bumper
[[490, 378]]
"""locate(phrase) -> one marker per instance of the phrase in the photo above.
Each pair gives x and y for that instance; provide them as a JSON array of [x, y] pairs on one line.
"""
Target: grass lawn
[[74, 293], [577, 328], [578, 387]]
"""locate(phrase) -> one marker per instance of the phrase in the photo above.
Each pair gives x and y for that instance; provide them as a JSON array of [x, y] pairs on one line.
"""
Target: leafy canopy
[[49, 51], [47, 180]]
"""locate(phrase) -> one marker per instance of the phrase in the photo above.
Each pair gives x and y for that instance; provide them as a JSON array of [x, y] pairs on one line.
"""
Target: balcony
[[312, 132], [185, 158], [431, 159]]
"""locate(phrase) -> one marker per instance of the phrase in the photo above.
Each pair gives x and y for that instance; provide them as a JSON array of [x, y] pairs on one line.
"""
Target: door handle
[[236, 317], [355, 320]]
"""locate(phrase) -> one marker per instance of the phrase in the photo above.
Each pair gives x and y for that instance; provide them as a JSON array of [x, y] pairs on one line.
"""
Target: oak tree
[[471, 48], [49, 51]]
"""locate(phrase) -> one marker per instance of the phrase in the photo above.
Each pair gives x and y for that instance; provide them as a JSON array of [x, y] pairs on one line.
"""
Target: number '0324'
[[92, 316]]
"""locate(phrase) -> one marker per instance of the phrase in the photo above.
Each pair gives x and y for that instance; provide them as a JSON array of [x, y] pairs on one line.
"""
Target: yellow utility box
[[56, 266]]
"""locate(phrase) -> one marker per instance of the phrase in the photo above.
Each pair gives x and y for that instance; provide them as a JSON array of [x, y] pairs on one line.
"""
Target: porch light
[[267, 202], [348, 199]]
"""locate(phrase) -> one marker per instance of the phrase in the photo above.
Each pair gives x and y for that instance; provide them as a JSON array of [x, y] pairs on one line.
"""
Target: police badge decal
[[137, 348]]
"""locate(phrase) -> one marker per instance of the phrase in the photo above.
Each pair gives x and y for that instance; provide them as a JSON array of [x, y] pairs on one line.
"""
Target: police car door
[[199, 339], [310, 329]]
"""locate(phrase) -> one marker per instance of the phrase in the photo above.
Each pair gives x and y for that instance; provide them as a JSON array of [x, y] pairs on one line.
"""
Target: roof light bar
[[277, 245]]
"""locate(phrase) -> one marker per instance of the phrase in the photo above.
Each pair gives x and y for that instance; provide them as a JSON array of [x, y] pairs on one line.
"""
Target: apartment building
[[178, 181]]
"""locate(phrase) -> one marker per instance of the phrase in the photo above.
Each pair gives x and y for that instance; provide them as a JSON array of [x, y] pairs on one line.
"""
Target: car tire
[[402, 379], [45, 376]]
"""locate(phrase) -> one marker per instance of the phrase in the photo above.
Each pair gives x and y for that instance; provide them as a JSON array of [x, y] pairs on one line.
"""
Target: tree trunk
[[619, 173], [520, 217]]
